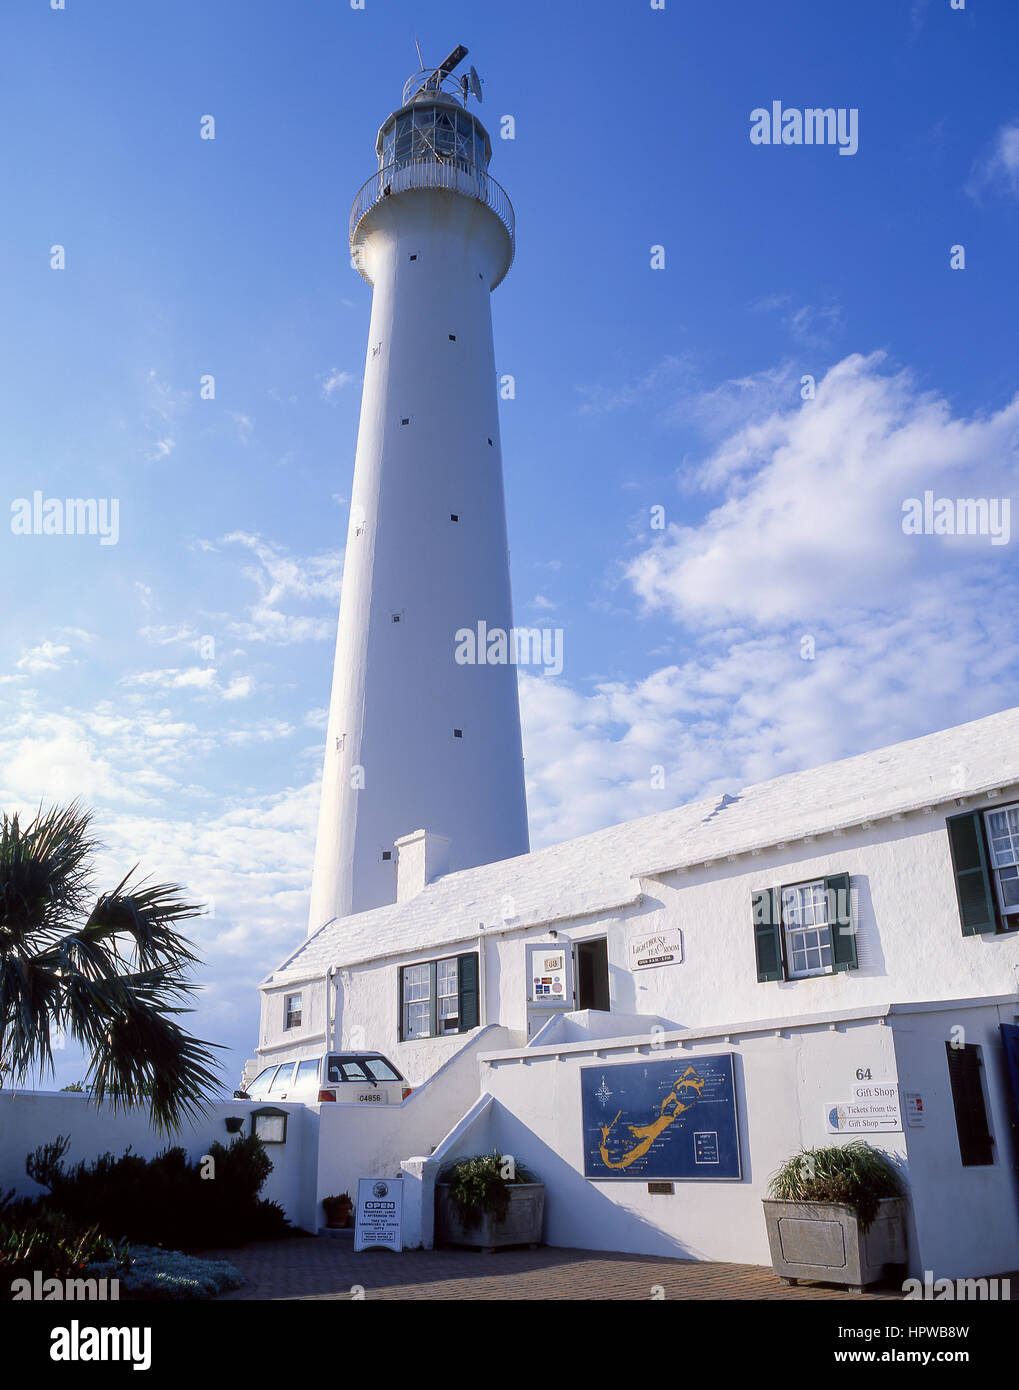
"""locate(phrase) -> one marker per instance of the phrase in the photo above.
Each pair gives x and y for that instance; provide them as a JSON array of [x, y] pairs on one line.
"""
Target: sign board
[[650, 950], [548, 975], [914, 1109], [661, 1119], [379, 1219], [872, 1107]]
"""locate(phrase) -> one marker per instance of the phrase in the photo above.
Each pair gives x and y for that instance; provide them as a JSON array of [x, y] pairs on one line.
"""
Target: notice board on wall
[[675, 1119]]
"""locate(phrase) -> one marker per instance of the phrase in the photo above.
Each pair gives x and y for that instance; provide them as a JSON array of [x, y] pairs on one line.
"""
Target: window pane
[[306, 1083], [281, 1081], [380, 1069], [260, 1084]]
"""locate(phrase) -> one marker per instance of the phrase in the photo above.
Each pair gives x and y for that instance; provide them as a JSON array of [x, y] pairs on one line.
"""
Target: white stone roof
[[601, 871]]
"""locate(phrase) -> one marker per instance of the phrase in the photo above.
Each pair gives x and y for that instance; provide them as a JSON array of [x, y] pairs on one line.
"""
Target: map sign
[[669, 1119]]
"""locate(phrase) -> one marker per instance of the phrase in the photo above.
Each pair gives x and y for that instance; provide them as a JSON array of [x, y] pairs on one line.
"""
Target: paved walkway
[[325, 1267]]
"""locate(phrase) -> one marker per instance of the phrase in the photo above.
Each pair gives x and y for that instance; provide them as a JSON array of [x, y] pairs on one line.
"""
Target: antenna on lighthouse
[[436, 76], [418, 47]]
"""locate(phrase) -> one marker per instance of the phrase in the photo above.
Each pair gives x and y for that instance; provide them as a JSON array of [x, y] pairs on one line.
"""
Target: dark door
[[593, 975], [1010, 1040]]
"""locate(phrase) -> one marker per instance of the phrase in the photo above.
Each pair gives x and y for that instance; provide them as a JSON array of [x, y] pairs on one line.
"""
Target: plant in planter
[[337, 1210], [836, 1214], [489, 1200]]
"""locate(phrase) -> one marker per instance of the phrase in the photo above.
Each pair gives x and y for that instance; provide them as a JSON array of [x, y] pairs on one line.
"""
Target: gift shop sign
[[871, 1107]]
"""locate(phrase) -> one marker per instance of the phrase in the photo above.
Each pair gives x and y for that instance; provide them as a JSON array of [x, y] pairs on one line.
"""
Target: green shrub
[[34, 1238], [164, 1200], [853, 1174], [481, 1184]]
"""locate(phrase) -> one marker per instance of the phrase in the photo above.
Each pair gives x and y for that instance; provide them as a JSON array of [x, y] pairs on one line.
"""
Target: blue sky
[[636, 388]]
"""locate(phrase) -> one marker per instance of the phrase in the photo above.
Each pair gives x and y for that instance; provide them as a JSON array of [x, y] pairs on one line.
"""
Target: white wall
[[784, 1082], [372, 1141], [31, 1118], [963, 1222], [967, 1218]]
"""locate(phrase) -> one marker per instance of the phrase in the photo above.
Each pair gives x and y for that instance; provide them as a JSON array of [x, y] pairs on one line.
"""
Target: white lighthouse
[[416, 740]]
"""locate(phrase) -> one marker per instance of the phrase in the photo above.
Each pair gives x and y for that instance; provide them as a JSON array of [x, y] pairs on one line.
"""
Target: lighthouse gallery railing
[[454, 174]]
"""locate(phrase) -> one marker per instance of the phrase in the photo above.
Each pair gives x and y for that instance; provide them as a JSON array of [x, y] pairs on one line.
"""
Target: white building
[[853, 926], [662, 936]]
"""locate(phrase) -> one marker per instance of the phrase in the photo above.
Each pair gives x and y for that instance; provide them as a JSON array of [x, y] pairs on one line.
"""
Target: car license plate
[[372, 1097]]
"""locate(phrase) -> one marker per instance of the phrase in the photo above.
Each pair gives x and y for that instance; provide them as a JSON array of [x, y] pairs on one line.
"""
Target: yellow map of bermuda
[[647, 1134]]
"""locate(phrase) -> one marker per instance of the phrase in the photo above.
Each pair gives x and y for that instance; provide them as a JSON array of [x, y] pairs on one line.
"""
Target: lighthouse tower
[[416, 740]]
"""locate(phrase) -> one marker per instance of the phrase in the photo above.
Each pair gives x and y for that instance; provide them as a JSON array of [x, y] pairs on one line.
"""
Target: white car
[[351, 1078]]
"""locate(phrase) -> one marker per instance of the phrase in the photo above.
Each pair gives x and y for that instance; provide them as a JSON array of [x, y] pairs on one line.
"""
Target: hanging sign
[[648, 951], [379, 1220]]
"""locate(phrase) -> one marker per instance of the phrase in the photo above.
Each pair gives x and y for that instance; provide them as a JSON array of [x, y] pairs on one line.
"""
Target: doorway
[[593, 974]]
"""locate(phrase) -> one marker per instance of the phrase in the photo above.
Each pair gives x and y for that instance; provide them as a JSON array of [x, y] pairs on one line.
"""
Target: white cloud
[[192, 678], [239, 688], [811, 524], [244, 423], [1000, 168], [164, 634], [336, 381], [280, 577], [599, 400], [45, 657]]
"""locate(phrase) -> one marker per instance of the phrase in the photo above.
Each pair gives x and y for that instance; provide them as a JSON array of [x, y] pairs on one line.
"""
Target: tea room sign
[[653, 949]]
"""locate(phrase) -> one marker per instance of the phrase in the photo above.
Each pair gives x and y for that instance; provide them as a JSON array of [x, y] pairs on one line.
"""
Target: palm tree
[[109, 972]]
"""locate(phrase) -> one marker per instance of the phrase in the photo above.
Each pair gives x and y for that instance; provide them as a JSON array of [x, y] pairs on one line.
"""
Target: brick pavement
[[326, 1267]]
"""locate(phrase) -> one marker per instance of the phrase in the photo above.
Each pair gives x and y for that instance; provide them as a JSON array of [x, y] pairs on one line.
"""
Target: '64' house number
[[863, 1074]]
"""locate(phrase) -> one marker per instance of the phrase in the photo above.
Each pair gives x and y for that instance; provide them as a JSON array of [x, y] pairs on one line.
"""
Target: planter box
[[522, 1226], [823, 1240]]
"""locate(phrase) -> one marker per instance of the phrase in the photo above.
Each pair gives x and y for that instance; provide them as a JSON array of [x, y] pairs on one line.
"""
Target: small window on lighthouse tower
[[406, 421], [454, 516], [452, 337], [458, 733], [387, 855]]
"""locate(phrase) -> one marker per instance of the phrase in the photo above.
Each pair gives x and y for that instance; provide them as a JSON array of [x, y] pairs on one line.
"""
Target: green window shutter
[[433, 998], [973, 885], [399, 1003], [842, 922], [467, 981], [768, 934]]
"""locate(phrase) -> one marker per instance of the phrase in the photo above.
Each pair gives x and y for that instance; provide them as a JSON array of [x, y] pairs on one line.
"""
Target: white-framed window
[[439, 997], [292, 1011], [417, 1001], [1003, 840], [807, 928], [447, 993]]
